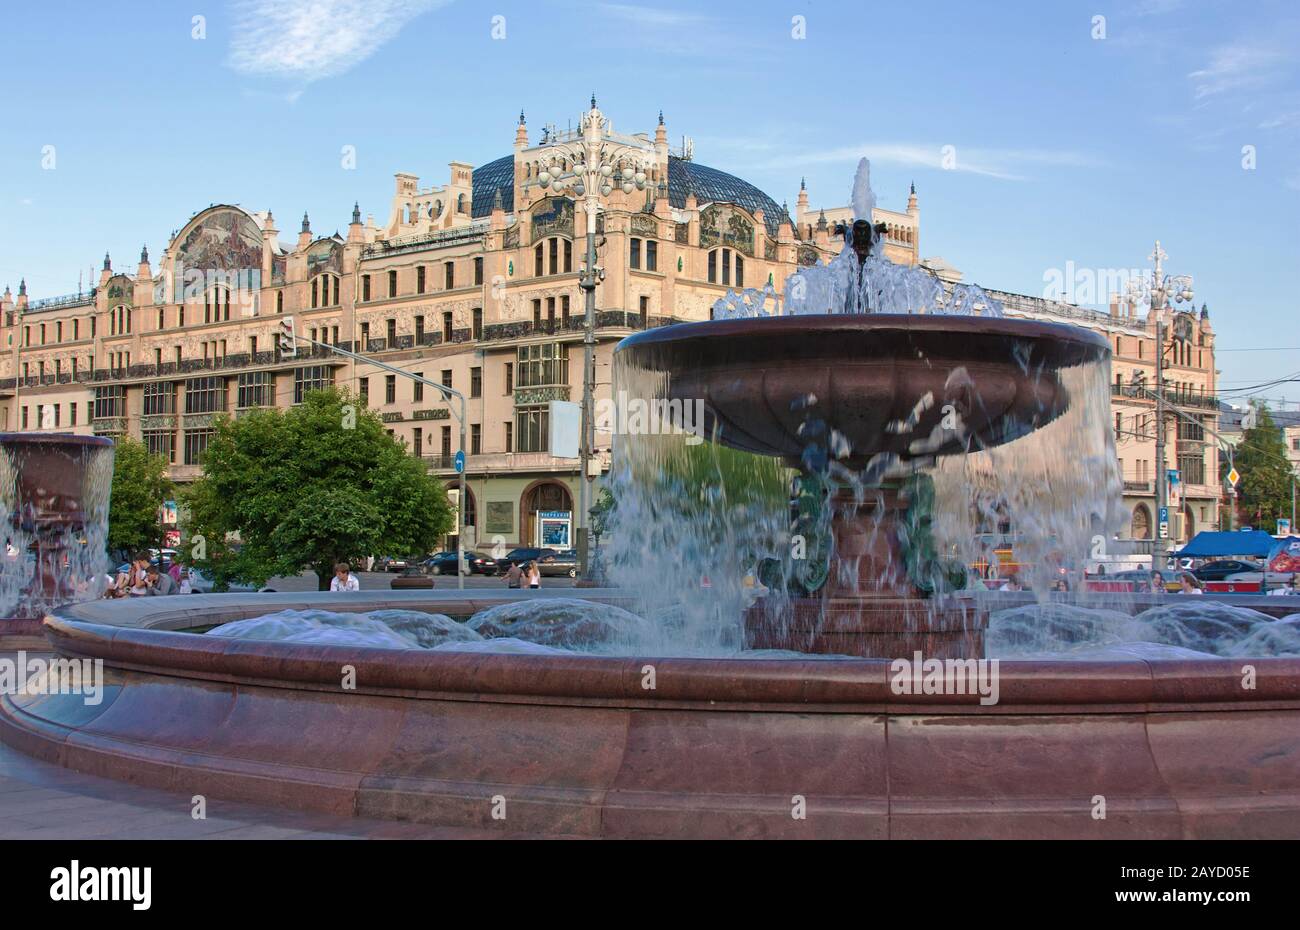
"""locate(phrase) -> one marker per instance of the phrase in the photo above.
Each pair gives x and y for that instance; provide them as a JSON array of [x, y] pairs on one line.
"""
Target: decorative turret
[[802, 202], [143, 273], [911, 200], [521, 133], [822, 225], [304, 235], [356, 232], [661, 131], [356, 213], [21, 305], [1205, 312]]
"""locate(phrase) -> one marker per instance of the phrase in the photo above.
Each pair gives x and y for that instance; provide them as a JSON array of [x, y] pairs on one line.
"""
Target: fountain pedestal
[[869, 606]]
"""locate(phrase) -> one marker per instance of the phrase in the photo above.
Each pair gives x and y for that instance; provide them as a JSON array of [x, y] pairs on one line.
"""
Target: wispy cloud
[[652, 16], [1238, 66], [308, 40], [1006, 164]]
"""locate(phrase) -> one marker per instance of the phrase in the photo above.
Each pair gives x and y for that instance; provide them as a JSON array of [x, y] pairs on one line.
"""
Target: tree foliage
[[1264, 493], [307, 487], [140, 486]]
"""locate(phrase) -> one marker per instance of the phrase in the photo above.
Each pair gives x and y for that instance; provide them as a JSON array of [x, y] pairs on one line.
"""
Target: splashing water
[[844, 285]]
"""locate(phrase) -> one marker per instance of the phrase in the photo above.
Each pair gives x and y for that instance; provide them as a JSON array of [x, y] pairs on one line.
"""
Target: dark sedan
[[1220, 569], [559, 563], [444, 563], [522, 556]]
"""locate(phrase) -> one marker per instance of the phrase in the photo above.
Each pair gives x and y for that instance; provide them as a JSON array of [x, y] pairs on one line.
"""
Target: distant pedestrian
[[343, 579], [1190, 584], [183, 584], [514, 575], [534, 575]]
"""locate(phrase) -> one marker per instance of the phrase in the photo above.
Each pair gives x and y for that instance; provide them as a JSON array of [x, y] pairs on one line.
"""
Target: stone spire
[[22, 287], [521, 132], [803, 196], [911, 199], [661, 131], [306, 223], [108, 264], [356, 213]]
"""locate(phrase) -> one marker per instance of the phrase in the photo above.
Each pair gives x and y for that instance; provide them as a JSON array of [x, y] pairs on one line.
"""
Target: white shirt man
[[343, 579]]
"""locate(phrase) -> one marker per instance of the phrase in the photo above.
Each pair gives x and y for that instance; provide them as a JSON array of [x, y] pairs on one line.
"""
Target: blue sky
[[1067, 147]]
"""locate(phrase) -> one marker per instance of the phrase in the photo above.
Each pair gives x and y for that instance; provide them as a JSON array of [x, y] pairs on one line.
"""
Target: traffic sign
[[460, 461], [1233, 476]]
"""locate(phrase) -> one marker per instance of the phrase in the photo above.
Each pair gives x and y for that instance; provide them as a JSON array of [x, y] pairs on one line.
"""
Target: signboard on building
[[555, 529]]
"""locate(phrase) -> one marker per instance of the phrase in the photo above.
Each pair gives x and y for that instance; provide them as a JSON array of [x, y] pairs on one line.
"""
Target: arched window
[[1140, 527]]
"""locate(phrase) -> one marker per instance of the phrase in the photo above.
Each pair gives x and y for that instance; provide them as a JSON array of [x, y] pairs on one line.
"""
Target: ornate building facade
[[472, 282]]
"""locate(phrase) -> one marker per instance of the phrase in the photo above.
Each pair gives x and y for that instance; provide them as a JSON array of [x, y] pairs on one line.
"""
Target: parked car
[[561, 563], [413, 577], [1220, 569], [201, 583], [444, 563], [521, 555], [395, 564]]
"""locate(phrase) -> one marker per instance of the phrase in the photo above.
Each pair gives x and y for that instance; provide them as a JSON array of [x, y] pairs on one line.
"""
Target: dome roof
[[708, 184]]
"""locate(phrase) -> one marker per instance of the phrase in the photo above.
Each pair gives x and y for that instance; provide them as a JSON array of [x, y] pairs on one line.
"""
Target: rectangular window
[[24, 417], [475, 439], [564, 311], [478, 270], [568, 256], [539, 267], [205, 395], [417, 442], [555, 256], [543, 365], [419, 330], [449, 275], [740, 271], [550, 314], [651, 255], [446, 377], [447, 332], [392, 284], [477, 324], [390, 389], [417, 388], [510, 377], [255, 389], [365, 337], [363, 389], [532, 425], [161, 442], [311, 378], [365, 287], [537, 313], [510, 437], [419, 280], [476, 382], [645, 311], [635, 260], [392, 333], [446, 442], [726, 266], [159, 399], [110, 401], [196, 443], [72, 414], [713, 266]]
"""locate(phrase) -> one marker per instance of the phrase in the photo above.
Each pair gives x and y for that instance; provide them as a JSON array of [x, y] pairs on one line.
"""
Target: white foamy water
[[569, 626]]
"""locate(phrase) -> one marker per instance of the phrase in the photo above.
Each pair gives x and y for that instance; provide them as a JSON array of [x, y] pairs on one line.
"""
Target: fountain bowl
[[578, 745], [764, 381]]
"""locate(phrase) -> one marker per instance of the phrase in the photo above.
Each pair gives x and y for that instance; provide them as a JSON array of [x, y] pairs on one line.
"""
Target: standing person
[[343, 579], [534, 575], [1190, 584], [514, 575], [183, 584]]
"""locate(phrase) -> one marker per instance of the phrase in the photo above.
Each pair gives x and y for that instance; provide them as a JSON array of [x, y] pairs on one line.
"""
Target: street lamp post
[[590, 166], [1158, 293]]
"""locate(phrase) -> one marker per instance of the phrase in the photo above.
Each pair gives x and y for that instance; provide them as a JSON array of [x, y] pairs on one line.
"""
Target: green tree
[[140, 485], [1264, 493], [307, 487]]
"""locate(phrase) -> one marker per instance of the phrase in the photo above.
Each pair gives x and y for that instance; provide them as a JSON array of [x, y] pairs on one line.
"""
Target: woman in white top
[[1191, 584], [534, 575]]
